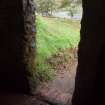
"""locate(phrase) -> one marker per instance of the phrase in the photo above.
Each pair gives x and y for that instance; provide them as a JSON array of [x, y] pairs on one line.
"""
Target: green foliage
[[45, 7], [71, 6], [43, 71], [65, 3], [53, 34]]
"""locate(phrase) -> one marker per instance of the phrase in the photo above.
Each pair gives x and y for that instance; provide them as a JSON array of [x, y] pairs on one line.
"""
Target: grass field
[[53, 34]]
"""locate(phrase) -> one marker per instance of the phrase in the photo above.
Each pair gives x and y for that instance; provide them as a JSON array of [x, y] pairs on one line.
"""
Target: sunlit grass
[[54, 34]]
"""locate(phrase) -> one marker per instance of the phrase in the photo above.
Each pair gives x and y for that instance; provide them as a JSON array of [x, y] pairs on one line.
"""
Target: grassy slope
[[54, 34]]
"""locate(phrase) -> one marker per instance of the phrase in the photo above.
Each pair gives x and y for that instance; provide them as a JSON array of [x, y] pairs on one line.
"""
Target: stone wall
[[17, 44], [90, 78]]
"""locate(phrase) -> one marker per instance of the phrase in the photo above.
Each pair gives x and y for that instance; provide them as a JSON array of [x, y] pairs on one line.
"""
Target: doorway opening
[[58, 35]]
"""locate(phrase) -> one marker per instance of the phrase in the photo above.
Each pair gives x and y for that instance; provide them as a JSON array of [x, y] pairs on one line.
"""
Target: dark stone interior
[[13, 69], [17, 51], [89, 86]]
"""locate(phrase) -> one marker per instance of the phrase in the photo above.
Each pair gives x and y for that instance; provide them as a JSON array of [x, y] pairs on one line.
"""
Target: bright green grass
[[54, 34]]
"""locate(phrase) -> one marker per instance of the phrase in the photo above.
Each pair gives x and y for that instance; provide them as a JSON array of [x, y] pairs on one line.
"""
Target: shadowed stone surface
[[90, 88], [17, 45], [19, 99]]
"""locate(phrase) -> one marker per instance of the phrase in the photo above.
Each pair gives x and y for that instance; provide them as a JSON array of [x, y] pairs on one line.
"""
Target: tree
[[70, 5], [45, 7]]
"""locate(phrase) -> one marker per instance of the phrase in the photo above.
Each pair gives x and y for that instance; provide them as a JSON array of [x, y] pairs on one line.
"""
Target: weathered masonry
[[17, 45]]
